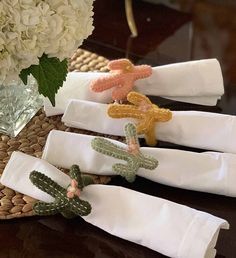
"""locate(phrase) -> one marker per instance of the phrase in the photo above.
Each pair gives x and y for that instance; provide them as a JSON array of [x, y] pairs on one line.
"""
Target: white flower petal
[[29, 28]]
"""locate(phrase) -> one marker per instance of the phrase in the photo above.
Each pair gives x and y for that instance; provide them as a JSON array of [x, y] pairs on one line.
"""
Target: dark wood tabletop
[[187, 30]]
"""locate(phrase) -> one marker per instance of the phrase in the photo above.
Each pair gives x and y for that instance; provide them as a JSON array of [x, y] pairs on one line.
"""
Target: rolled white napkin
[[166, 227], [198, 82], [210, 131], [206, 172]]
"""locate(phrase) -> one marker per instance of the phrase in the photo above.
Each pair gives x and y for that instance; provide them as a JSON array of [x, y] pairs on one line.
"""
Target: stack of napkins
[[169, 228]]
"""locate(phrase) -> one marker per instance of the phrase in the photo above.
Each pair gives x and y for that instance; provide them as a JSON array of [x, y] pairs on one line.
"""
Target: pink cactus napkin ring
[[122, 76]]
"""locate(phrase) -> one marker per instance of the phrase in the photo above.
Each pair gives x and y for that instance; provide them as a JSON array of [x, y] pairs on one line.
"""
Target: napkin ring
[[145, 111], [67, 201], [122, 76], [132, 155]]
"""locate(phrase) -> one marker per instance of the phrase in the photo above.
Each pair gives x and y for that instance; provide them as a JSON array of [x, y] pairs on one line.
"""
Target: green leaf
[[49, 74], [24, 74]]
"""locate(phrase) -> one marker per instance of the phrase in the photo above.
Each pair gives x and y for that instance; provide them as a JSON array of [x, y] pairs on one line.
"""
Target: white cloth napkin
[[210, 131], [197, 82], [166, 227], [206, 172]]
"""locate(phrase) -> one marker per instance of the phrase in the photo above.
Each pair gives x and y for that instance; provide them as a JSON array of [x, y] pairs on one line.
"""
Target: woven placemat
[[32, 138]]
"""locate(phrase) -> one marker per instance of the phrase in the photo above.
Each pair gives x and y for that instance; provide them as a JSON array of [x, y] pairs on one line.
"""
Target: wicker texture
[[32, 138]]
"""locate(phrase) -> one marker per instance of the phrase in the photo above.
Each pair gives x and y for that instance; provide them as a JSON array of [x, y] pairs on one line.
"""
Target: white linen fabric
[[205, 130], [166, 227], [198, 82], [206, 172]]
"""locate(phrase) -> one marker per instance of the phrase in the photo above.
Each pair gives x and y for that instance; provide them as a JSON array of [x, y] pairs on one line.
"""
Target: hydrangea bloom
[[29, 28]]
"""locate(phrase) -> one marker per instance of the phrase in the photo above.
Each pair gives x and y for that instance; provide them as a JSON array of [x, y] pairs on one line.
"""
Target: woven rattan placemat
[[32, 138]]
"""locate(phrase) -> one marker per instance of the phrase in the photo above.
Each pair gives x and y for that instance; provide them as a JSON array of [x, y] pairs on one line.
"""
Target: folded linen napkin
[[198, 82], [210, 131], [206, 172], [166, 227]]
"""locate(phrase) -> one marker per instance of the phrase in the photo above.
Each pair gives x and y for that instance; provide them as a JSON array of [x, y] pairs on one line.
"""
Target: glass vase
[[18, 104]]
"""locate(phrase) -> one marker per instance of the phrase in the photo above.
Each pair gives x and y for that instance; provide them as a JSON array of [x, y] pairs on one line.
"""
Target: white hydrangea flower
[[29, 28]]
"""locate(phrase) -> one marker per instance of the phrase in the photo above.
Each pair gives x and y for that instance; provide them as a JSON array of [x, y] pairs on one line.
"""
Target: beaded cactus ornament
[[122, 76], [67, 201], [145, 111], [132, 155]]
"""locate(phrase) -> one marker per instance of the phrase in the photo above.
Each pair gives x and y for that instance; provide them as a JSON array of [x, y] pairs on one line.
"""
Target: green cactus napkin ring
[[67, 201], [135, 159]]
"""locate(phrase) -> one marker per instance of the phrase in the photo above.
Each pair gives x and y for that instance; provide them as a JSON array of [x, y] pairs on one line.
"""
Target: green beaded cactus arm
[[67, 201], [135, 159]]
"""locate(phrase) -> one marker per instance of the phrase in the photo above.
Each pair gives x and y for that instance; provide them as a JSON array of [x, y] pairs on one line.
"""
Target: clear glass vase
[[18, 104]]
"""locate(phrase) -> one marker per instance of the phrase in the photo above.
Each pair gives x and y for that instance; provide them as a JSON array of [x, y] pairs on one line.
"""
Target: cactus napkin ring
[[122, 76], [143, 110], [135, 159], [67, 201]]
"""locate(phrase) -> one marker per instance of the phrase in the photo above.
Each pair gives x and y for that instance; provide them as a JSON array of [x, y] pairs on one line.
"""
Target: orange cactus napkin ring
[[142, 109], [122, 76]]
